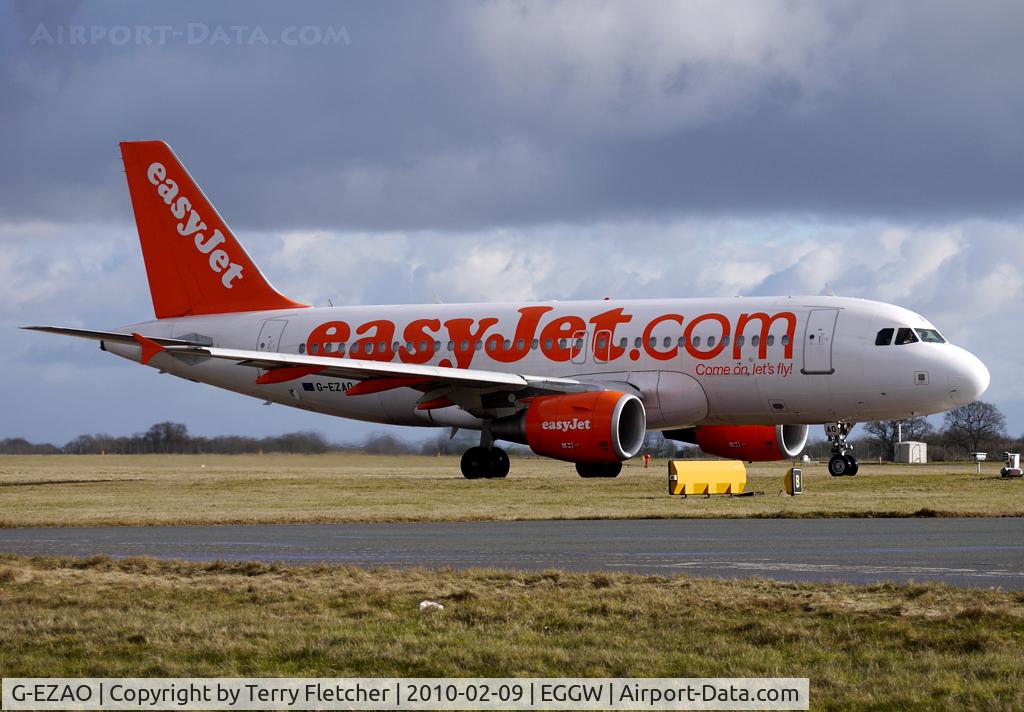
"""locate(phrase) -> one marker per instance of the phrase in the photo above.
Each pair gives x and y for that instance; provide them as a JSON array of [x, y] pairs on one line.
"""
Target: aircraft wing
[[375, 376], [361, 370]]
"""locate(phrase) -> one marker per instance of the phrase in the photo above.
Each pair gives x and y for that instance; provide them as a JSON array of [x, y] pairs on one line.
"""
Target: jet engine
[[753, 443], [590, 428]]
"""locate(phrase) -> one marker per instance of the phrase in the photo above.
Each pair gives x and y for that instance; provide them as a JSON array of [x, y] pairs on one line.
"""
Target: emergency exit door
[[270, 335], [821, 326], [578, 347]]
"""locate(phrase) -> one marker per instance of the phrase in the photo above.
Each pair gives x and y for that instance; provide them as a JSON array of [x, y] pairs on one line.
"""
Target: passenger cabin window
[[930, 336], [905, 336], [884, 337]]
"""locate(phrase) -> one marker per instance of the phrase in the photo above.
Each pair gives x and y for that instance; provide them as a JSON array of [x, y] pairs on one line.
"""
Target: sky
[[378, 153]]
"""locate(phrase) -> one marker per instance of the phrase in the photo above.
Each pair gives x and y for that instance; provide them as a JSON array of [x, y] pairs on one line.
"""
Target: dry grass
[[185, 489], [882, 647]]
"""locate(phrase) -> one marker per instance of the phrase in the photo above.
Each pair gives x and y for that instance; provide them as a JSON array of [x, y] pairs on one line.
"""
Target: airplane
[[577, 381]]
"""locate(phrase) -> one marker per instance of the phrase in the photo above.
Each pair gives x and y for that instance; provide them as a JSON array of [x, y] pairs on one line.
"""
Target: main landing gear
[[485, 462], [598, 469], [842, 463]]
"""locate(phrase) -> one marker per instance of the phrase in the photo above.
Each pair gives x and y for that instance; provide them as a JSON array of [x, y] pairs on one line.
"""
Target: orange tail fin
[[193, 261]]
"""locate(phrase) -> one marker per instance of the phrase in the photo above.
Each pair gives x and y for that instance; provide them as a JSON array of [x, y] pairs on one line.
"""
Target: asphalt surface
[[961, 552]]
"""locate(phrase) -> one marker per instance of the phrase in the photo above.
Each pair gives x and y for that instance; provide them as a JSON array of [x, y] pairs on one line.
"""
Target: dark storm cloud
[[465, 116]]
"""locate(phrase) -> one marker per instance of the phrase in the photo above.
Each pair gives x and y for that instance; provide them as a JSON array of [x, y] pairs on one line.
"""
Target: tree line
[[170, 438], [974, 427], [174, 439]]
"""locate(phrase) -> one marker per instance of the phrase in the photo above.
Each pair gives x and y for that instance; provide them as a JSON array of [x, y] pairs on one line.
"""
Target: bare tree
[[974, 424], [21, 446], [167, 437], [886, 432]]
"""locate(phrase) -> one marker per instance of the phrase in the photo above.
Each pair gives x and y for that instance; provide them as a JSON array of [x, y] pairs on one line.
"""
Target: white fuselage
[[757, 360]]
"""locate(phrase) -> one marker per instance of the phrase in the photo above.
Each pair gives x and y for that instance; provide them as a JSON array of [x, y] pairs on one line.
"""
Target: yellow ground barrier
[[706, 477]]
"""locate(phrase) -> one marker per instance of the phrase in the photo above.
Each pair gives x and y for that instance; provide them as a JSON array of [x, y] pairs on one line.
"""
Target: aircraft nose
[[968, 377]]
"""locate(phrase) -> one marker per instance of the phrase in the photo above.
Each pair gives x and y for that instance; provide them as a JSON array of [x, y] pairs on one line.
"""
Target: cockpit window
[[930, 336], [905, 336], [884, 337]]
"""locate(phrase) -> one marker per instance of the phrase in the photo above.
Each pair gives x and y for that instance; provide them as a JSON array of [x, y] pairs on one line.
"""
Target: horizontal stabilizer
[[111, 336]]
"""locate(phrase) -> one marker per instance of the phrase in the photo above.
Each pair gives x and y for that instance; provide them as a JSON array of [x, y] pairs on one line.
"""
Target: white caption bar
[[378, 693]]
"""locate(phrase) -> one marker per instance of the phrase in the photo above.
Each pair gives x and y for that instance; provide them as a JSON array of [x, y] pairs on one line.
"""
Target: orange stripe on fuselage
[[288, 373]]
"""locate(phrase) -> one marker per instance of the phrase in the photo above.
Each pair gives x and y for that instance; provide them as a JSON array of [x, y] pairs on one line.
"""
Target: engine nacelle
[[603, 426], [753, 443]]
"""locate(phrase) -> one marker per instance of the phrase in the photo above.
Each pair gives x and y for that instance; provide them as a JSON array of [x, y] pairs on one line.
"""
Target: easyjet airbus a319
[[576, 381]]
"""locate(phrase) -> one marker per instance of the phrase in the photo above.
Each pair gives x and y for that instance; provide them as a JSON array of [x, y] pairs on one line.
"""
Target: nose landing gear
[[842, 463]]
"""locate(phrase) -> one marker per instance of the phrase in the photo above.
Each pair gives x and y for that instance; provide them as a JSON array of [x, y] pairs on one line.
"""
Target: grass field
[[66, 490], [882, 647]]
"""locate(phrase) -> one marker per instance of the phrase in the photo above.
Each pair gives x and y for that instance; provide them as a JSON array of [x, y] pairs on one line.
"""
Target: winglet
[[149, 348]]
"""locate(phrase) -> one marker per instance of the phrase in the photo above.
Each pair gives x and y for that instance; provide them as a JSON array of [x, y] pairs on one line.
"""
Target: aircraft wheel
[[499, 463], [838, 466], [598, 469], [852, 466], [474, 463], [479, 462]]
